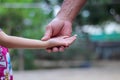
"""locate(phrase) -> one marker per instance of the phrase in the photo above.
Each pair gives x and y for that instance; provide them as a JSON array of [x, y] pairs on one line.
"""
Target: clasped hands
[[59, 28]]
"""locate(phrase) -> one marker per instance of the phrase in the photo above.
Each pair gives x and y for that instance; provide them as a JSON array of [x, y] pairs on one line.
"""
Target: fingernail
[[75, 35]]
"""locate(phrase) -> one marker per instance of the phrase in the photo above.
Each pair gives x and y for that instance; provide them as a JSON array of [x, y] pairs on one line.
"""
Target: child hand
[[61, 41]]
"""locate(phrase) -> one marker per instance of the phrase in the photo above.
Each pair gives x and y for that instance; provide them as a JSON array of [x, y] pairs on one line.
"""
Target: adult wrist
[[64, 18]]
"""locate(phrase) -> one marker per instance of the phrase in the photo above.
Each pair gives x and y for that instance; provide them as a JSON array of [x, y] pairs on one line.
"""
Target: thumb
[[47, 34]]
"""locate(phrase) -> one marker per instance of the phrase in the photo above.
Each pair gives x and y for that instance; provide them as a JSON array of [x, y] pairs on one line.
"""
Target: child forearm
[[18, 42], [70, 9]]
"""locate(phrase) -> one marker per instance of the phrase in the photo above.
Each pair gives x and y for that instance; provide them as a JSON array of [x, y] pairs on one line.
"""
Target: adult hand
[[56, 28]]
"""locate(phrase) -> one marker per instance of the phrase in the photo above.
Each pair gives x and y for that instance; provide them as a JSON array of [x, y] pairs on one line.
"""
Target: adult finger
[[55, 49], [49, 50], [48, 33], [61, 48]]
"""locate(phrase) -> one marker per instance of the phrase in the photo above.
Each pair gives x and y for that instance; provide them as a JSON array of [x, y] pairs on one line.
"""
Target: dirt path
[[70, 74]]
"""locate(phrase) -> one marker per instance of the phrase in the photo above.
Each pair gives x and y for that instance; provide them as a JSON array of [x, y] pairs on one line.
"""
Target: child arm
[[19, 42]]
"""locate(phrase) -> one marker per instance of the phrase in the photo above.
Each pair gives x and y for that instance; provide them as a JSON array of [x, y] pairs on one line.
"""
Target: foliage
[[29, 60], [97, 12], [24, 22], [29, 23], [14, 1]]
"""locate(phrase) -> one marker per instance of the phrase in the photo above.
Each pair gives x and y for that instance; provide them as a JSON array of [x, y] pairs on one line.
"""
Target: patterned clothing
[[5, 64]]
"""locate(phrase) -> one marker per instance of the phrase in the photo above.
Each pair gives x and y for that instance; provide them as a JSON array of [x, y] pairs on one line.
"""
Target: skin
[[19, 42], [61, 25]]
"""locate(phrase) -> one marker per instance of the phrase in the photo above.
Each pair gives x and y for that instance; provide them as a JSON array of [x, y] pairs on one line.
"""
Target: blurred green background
[[97, 27]]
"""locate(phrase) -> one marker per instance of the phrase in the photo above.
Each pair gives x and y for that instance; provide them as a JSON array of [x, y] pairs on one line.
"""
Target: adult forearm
[[70, 9]]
